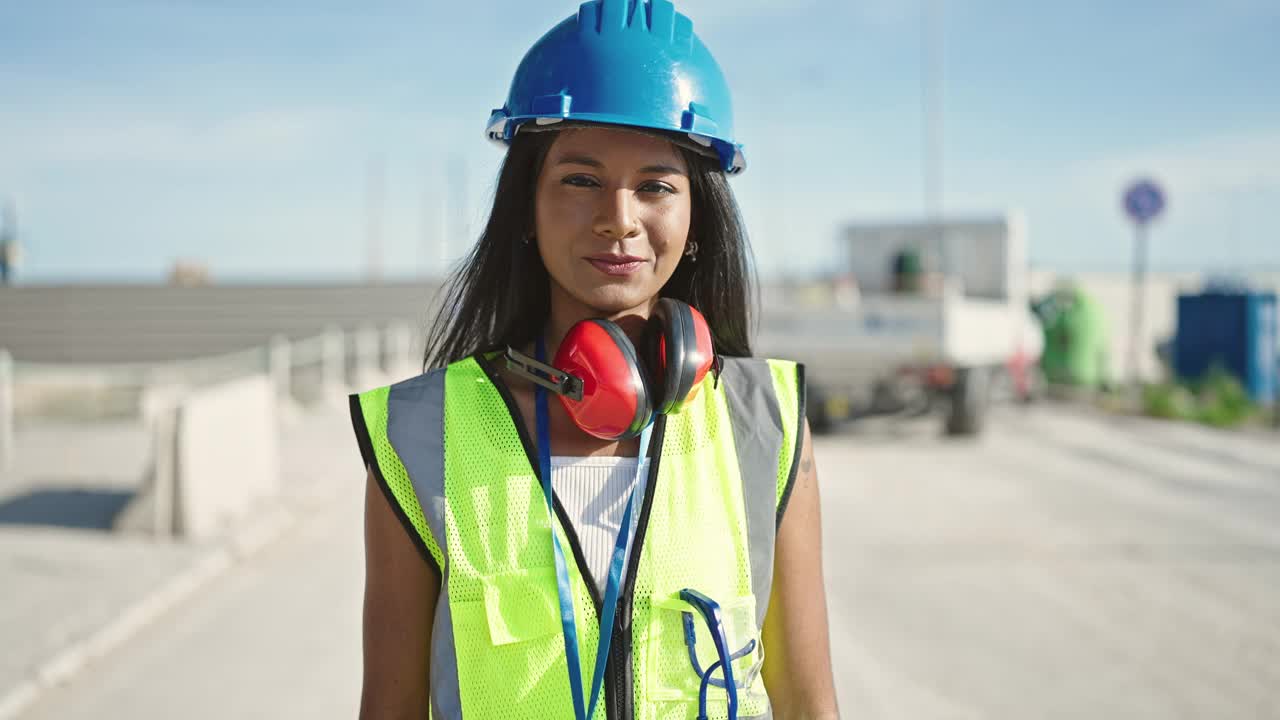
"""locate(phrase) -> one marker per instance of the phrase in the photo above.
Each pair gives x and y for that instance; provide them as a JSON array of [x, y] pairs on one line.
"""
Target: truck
[[923, 317]]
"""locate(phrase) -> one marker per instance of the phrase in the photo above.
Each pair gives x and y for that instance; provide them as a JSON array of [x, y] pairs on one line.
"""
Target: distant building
[[186, 273]]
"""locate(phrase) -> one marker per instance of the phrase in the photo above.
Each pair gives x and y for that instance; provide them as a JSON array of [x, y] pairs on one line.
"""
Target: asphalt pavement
[[1065, 565]]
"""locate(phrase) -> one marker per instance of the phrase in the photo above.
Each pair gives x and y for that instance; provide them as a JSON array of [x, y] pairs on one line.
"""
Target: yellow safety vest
[[462, 474]]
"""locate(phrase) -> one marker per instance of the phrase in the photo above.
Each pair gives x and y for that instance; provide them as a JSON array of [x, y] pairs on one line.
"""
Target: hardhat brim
[[502, 128]]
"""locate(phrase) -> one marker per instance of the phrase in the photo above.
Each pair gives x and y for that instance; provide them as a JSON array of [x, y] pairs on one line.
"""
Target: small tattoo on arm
[[806, 465]]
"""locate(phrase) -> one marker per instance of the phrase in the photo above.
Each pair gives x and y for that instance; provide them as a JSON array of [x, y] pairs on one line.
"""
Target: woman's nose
[[615, 217]]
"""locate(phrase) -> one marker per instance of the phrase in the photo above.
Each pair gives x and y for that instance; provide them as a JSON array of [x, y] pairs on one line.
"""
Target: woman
[[693, 534]]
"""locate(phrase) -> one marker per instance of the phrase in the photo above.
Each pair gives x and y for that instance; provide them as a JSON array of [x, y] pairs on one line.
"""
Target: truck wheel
[[970, 397]]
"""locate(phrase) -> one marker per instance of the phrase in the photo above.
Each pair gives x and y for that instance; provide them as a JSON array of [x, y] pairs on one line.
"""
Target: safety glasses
[[713, 617]]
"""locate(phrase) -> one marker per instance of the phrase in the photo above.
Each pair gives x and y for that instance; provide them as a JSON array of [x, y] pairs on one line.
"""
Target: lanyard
[[582, 709]]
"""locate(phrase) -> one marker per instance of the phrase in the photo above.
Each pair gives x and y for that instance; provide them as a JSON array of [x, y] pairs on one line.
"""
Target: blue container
[[1235, 330]]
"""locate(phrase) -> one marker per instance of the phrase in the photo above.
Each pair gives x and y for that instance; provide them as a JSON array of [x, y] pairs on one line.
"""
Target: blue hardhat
[[624, 62]]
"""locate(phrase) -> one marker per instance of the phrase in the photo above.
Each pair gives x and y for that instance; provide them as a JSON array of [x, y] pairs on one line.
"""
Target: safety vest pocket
[[521, 605], [682, 653], [509, 649]]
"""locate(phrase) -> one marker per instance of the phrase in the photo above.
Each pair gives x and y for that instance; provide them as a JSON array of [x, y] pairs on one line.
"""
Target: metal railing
[[319, 369]]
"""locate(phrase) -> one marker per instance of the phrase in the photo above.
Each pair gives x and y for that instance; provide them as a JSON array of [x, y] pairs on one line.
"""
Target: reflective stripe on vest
[[445, 448]]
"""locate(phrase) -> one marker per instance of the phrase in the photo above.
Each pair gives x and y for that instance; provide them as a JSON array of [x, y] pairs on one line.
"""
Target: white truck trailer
[[876, 345]]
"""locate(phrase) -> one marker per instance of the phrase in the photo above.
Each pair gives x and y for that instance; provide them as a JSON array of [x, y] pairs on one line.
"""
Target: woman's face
[[612, 218]]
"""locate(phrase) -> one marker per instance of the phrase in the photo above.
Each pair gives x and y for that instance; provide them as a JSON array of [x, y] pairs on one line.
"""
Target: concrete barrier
[[333, 366], [398, 362], [281, 371], [6, 410], [367, 366], [280, 365], [215, 456]]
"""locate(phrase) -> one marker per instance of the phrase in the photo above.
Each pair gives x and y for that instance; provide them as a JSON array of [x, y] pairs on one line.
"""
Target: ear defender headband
[[610, 389]]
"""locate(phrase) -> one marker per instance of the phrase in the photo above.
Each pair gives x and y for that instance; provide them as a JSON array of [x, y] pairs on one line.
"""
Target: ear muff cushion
[[676, 338], [705, 352], [639, 378], [613, 382], [654, 353]]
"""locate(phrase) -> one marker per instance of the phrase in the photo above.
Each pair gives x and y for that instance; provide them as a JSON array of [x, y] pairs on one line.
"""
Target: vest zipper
[[619, 673]]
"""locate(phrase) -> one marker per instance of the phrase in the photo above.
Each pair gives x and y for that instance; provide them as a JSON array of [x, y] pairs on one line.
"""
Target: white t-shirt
[[594, 491]]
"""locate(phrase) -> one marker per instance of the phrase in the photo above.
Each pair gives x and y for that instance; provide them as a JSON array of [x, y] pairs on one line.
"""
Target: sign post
[[1143, 202]]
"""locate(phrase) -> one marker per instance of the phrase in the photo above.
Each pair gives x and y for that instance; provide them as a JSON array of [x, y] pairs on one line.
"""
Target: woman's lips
[[622, 265]]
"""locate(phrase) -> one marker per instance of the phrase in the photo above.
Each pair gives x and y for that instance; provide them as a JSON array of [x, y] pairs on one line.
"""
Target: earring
[[691, 250], [528, 238]]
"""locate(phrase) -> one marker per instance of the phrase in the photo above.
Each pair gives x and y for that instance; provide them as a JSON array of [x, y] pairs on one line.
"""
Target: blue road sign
[[1143, 201]]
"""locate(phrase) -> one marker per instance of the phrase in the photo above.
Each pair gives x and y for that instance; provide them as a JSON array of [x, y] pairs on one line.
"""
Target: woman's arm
[[797, 665], [400, 592]]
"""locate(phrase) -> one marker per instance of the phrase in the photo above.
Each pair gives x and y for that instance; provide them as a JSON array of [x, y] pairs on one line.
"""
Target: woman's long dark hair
[[500, 294]]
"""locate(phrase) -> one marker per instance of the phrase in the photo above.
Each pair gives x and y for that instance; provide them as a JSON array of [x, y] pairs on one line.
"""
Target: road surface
[[1066, 565]]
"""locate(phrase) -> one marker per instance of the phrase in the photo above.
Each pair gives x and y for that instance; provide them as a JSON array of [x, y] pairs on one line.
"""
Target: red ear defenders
[[612, 389]]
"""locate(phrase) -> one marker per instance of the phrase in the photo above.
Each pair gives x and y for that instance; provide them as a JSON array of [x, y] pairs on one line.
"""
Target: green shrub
[[1218, 399], [1170, 401], [1223, 400]]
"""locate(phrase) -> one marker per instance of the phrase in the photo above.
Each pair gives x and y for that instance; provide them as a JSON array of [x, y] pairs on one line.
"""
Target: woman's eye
[[657, 187], [580, 181]]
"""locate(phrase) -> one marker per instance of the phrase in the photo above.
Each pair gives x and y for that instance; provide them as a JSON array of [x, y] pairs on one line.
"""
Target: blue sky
[[240, 134]]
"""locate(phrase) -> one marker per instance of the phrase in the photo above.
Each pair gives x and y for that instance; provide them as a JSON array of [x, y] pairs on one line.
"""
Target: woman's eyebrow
[[580, 160], [662, 169], [589, 161]]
